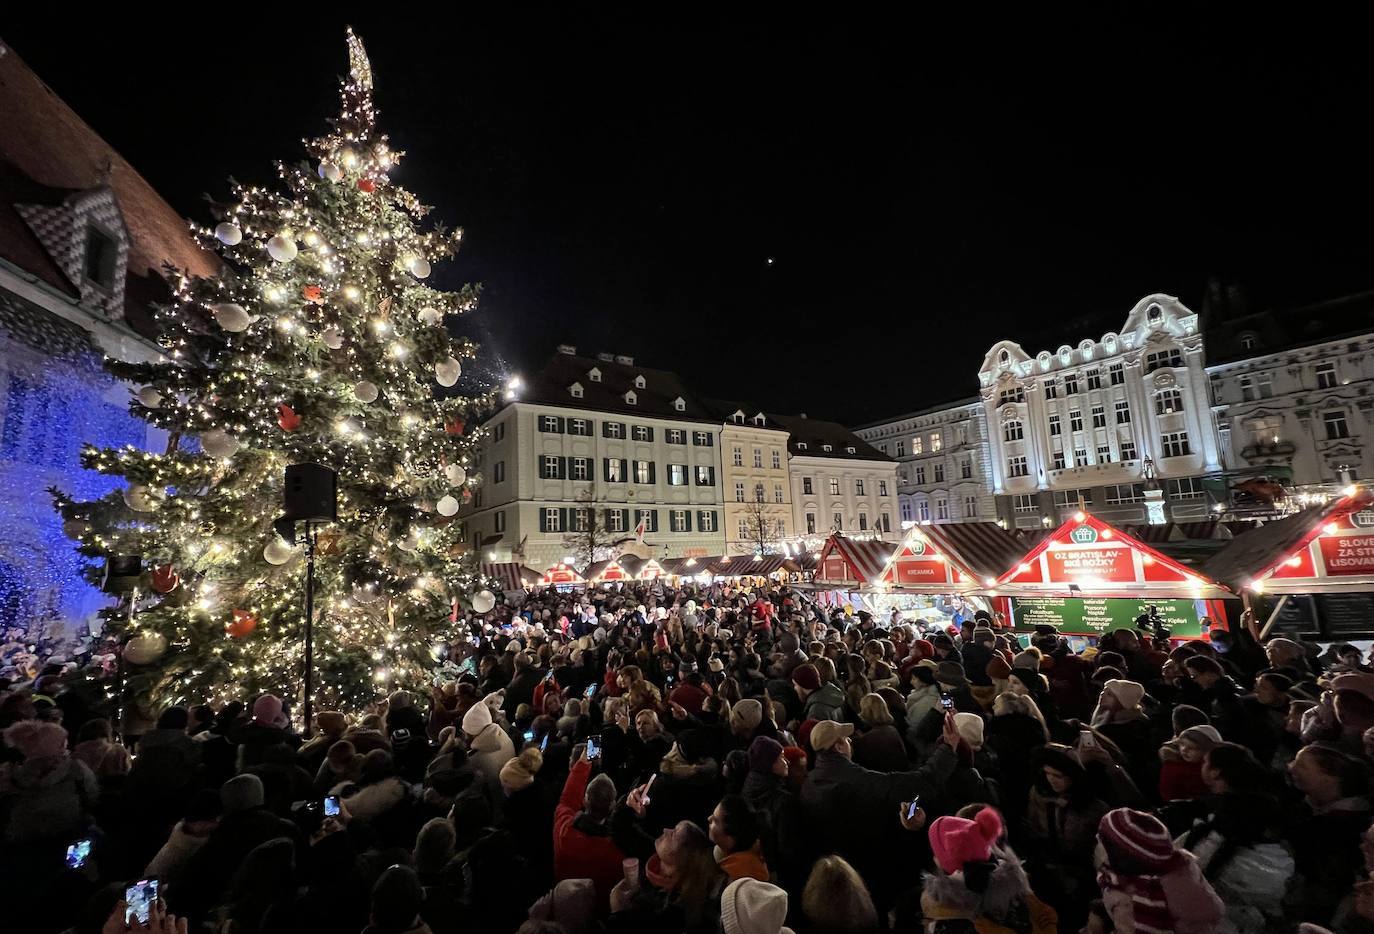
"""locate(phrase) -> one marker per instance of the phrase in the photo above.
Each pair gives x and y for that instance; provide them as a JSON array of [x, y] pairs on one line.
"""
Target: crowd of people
[[724, 759]]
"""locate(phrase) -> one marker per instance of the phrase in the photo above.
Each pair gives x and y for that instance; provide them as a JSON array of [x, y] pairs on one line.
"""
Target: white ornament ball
[[447, 371], [218, 443], [330, 171], [278, 551], [447, 506], [146, 648], [483, 601], [139, 498], [430, 316], [365, 391], [411, 542], [332, 337], [149, 397], [231, 317], [367, 593], [228, 234], [419, 267], [282, 249], [455, 474]]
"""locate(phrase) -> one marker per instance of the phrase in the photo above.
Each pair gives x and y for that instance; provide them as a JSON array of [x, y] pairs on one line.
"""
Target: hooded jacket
[[488, 751], [1006, 905], [45, 798], [824, 703], [583, 849]]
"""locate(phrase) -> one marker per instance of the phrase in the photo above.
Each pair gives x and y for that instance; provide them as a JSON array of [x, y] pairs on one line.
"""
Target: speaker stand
[[306, 707]]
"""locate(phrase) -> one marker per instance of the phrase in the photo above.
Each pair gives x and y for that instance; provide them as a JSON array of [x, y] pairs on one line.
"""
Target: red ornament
[[367, 185], [287, 418], [312, 293], [455, 426], [166, 579], [243, 623]]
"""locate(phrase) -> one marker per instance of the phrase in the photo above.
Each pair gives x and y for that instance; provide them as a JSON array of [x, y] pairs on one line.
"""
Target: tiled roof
[[1287, 328], [816, 434], [46, 152], [661, 387], [725, 409]]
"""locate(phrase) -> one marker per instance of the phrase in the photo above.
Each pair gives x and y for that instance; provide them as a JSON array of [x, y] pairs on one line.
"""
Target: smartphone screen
[[593, 747], [78, 853], [946, 702], [529, 736], [544, 746], [140, 897], [331, 808], [590, 692], [649, 784], [1086, 738], [911, 811]]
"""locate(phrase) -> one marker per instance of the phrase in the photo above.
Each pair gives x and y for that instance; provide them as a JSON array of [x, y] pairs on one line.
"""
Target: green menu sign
[[1094, 616]]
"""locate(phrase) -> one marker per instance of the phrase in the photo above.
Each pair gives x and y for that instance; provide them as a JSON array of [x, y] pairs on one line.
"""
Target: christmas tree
[[318, 343]]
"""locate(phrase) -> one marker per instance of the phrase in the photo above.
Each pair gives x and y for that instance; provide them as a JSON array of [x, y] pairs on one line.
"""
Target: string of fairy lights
[[318, 342]]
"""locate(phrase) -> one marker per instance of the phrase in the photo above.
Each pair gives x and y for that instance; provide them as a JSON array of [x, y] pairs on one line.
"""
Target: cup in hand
[[631, 869]]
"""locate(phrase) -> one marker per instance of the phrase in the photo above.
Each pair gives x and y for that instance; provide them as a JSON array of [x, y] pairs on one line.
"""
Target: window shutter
[[543, 469], [710, 476], [651, 434], [651, 472], [605, 429], [564, 517], [543, 521], [710, 440], [606, 518], [562, 424], [624, 470]]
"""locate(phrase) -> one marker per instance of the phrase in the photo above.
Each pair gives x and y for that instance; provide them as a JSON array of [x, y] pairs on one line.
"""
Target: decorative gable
[[86, 237]]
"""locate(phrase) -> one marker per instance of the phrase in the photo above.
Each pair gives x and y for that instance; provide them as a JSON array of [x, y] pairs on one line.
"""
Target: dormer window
[[594, 375], [680, 404], [801, 445], [575, 390], [849, 449], [827, 447], [631, 398], [737, 418], [1154, 313], [1004, 358], [639, 382], [760, 420], [102, 254]]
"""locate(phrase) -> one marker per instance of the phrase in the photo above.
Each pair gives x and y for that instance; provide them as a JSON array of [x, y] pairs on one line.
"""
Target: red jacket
[[579, 855]]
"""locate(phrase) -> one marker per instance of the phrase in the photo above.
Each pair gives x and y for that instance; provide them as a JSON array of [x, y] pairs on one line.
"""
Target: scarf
[[1149, 906]]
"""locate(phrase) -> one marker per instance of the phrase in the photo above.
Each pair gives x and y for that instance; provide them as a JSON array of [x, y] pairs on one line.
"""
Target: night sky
[[925, 188]]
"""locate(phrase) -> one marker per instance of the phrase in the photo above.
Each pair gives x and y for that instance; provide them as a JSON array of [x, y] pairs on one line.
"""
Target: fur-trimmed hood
[[1007, 886]]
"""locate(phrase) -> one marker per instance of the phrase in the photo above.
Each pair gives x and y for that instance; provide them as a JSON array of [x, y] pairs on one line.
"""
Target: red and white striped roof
[[511, 575], [850, 561], [951, 558]]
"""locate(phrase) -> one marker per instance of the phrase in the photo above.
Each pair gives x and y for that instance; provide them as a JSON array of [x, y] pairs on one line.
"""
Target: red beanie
[[957, 842], [807, 676], [1140, 837], [922, 648]]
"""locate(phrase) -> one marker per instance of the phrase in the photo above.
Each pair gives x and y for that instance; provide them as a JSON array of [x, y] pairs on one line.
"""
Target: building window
[[834, 487], [758, 458], [901, 449], [676, 436], [882, 487], [1099, 417], [1336, 426], [827, 448], [614, 430], [917, 445], [960, 435], [738, 456], [1123, 412], [1057, 460], [839, 521], [904, 507], [581, 468], [581, 520], [939, 473], [1068, 499], [1016, 467], [1127, 449], [807, 487], [777, 459], [644, 472], [923, 511], [680, 405], [1051, 389], [758, 492], [550, 423], [102, 253], [1024, 503], [1123, 493], [1116, 374], [777, 492], [1104, 453], [1011, 395], [551, 467], [942, 508], [937, 442], [579, 426], [649, 517], [970, 507], [677, 474], [553, 520], [703, 439], [1185, 488], [499, 432], [966, 469], [1055, 426], [1265, 384], [1326, 375], [1094, 379], [1175, 443], [679, 520], [739, 492], [1075, 421], [810, 523], [1247, 342], [706, 476], [615, 470], [706, 520], [643, 433], [920, 474], [615, 520], [1080, 457], [498, 472], [858, 488], [1012, 431], [863, 522], [1162, 358], [501, 521], [1168, 402], [1071, 384]]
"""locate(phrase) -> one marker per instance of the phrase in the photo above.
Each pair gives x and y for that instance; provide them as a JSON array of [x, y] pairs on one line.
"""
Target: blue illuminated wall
[[54, 396]]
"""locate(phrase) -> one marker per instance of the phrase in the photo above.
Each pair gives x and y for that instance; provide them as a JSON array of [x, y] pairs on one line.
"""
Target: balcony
[[1266, 451]]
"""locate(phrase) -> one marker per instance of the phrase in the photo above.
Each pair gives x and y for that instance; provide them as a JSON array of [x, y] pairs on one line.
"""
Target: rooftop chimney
[[605, 358], [567, 349], [624, 361]]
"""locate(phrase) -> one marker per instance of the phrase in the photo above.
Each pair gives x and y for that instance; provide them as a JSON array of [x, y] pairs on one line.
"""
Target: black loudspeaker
[[310, 493], [121, 573]]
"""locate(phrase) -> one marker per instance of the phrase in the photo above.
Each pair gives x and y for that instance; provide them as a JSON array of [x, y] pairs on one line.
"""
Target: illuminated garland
[[318, 342]]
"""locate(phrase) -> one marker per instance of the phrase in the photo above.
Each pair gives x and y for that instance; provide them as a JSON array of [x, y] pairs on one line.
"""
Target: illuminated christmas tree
[[318, 343]]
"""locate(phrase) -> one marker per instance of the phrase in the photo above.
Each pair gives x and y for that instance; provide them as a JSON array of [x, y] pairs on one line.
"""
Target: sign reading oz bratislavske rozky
[[1106, 562]]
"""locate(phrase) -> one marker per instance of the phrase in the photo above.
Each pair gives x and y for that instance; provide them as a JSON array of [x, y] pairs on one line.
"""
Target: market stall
[[1087, 578], [649, 570], [1309, 574], [510, 575], [933, 571], [612, 571], [848, 571], [563, 576]]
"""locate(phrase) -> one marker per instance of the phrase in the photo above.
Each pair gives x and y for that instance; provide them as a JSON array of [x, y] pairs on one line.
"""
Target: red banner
[[1076, 564], [916, 571], [1348, 554]]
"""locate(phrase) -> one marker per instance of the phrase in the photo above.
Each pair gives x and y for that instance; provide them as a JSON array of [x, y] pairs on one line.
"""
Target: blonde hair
[[1011, 702], [873, 711], [836, 900]]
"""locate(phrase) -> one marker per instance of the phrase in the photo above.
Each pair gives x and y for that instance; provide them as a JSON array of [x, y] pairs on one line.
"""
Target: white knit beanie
[[748, 906], [970, 729], [477, 719]]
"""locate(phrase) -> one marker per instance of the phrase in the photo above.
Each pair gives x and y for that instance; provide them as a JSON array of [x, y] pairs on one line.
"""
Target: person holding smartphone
[[582, 844]]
